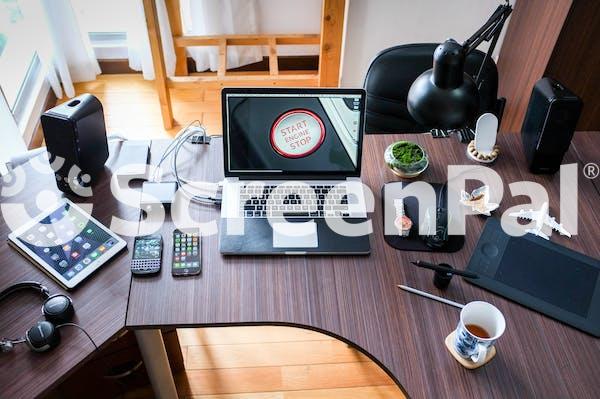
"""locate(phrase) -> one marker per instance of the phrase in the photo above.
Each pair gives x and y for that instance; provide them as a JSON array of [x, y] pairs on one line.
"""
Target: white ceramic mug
[[485, 316]]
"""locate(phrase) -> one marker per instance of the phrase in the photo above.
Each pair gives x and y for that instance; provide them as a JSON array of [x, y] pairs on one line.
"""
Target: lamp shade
[[444, 97]]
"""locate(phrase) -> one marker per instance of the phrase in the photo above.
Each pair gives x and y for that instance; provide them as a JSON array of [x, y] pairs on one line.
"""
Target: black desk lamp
[[445, 97]]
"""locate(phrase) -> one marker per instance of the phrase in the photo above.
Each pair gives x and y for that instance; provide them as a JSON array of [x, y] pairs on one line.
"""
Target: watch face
[[297, 133]]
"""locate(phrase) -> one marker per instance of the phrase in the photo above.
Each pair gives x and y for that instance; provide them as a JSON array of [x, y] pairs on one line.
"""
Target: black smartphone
[[187, 247], [147, 254]]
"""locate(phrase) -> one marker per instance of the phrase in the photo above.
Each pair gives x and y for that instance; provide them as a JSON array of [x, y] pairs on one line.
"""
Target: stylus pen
[[443, 269], [431, 296]]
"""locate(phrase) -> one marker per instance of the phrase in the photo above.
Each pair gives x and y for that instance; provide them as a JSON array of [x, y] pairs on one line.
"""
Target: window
[[106, 22], [17, 51]]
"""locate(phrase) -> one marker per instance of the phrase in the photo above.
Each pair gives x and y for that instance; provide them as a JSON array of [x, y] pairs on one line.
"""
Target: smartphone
[[147, 254], [186, 253]]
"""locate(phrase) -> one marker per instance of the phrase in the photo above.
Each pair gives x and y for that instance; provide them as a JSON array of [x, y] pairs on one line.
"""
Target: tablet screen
[[551, 276], [67, 240]]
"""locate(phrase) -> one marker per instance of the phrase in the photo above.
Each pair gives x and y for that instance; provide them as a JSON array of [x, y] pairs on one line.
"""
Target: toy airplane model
[[541, 218]]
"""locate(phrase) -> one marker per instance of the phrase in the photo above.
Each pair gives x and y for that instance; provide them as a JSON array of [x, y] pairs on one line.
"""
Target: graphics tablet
[[539, 274], [66, 243]]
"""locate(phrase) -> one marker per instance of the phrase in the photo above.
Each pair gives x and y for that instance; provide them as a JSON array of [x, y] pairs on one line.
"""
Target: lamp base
[[480, 156]]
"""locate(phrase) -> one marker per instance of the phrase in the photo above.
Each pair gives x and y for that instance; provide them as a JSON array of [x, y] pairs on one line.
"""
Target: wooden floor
[[238, 362], [131, 106]]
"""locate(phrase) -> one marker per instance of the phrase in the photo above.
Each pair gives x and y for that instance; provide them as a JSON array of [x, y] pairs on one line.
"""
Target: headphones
[[44, 335]]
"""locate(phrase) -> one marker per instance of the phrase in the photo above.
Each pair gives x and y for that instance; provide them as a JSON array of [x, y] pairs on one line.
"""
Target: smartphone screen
[[147, 247], [186, 253]]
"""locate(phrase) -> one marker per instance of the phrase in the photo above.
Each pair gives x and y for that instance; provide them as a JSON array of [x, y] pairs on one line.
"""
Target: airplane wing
[[530, 214], [550, 221]]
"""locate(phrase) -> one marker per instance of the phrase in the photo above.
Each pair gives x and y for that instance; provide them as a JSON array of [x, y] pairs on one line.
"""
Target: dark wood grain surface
[[576, 59], [531, 35], [100, 302], [356, 299], [585, 146]]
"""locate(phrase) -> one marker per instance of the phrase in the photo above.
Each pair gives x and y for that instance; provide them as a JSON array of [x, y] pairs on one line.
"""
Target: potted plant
[[406, 159]]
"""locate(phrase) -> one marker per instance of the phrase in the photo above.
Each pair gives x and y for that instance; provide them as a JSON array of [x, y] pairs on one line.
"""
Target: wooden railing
[[329, 41]]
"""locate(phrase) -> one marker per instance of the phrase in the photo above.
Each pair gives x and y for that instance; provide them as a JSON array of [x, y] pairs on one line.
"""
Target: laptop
[[292, 161]]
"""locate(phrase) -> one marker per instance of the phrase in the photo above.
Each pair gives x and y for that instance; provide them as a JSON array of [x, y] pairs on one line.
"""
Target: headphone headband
[[25, 285], [44, 335]]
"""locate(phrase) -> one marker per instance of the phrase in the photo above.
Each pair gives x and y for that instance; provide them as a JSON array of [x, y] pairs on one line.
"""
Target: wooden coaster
[[466, 363]]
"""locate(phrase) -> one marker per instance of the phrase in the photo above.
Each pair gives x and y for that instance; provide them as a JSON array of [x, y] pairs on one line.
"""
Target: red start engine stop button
[[297, 133]]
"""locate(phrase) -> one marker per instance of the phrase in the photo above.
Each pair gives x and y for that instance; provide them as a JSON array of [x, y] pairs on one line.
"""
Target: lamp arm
[[490, 29]]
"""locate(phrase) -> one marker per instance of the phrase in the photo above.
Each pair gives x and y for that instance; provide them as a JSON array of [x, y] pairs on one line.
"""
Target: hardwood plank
[[258, 77], [373, 392], [222, 66], [132, 84], [247, 82], [286, 378], [273, 64], [174, 13], [265, 354], [158, 61], [246, 335], [246, 40], [332, 35]]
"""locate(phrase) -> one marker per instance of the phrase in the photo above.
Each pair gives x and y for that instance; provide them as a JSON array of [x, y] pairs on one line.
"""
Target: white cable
[[183, 136], [172, 145]]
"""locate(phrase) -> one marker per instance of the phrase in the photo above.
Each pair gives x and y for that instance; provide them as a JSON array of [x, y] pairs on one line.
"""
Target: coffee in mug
[[480, 325]]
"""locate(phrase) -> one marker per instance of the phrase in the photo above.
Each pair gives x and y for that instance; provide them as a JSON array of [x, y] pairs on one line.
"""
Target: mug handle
[[479, 356]]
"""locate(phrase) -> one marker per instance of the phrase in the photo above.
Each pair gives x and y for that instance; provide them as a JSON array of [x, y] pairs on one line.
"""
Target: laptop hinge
[[288, 177]]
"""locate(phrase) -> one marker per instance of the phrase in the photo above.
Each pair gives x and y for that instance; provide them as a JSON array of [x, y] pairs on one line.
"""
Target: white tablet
[[66, 243]]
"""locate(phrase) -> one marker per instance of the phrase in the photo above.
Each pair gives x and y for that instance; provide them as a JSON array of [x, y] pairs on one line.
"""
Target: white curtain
[[138, 44], [214, 17], [65, 50], [199, 17]]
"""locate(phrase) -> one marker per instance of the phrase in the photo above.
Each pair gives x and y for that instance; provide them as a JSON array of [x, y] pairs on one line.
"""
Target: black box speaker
[[75, 136], [549, 125]]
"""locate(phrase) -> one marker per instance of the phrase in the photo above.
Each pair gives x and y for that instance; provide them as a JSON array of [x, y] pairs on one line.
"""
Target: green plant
[[407, 153]]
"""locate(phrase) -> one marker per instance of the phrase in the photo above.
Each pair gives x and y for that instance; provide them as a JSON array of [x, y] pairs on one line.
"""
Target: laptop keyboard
[[262, 202]]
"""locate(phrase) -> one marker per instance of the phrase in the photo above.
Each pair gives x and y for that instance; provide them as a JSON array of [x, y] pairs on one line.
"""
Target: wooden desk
[[100, 302], [352, 298], [355, 298]]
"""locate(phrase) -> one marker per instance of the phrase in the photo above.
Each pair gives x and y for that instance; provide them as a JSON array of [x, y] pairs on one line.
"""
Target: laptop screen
[[293, 131]]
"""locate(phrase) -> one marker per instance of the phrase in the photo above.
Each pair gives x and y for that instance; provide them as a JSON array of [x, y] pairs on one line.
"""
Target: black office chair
[[393, 71]]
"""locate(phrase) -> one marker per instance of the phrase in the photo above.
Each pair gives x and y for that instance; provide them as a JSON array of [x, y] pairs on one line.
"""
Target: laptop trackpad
[[295, 235]]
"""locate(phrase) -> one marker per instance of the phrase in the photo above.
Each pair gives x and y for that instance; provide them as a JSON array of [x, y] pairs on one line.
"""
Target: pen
[[443, 269], [430, 296]]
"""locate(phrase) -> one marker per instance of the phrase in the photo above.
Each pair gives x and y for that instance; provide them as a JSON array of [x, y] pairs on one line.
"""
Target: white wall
[[374, 25], [290, 16]]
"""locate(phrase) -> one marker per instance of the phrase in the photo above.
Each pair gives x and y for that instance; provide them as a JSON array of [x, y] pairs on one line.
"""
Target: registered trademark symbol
[[591, 170]]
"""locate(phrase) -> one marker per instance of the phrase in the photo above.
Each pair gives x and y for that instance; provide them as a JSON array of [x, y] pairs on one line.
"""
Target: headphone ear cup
[[42, 337], [58, 309]]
